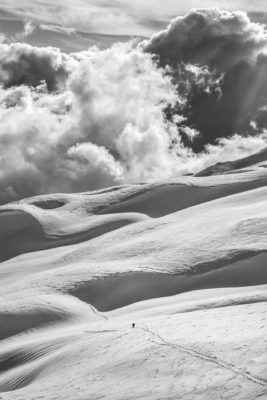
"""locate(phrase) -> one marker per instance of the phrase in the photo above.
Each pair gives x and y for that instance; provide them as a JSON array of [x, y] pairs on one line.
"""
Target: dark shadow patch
[[21, 233], [15, 323], [48, 204], [11, 361], [239, 171], [120, 290], [166, 199]]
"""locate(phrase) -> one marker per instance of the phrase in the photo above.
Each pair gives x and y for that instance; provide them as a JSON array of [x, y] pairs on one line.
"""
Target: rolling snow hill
[[184, 259]]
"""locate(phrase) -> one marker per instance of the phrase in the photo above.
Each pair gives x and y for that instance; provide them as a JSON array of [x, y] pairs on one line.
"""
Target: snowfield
[[185, 260]]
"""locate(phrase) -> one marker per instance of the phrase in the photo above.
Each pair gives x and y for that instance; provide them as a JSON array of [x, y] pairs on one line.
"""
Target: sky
[[83, 107], [122, 17]]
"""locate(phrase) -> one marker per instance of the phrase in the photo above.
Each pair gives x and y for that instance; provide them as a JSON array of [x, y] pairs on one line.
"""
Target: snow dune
[[185, 260], [21, 232], [121, 290], [165, 199]]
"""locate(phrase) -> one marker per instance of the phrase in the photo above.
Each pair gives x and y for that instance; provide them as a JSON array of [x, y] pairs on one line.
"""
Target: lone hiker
[[133, 325]]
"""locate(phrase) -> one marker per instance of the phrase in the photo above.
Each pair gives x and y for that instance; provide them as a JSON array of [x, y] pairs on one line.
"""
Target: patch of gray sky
[[139, 17]]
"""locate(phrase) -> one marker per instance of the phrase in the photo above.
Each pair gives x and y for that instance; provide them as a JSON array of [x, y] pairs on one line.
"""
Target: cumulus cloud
[[96, 161], [209, 36], [218, 59], [21, 63], [125, 98], [96, 118], [106, 125]]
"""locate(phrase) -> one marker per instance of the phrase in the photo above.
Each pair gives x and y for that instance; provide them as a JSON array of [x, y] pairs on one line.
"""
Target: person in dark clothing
[[133, 325]]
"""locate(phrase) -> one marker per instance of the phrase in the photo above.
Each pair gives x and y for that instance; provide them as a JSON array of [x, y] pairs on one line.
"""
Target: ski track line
[[215, 360], [97, 313]]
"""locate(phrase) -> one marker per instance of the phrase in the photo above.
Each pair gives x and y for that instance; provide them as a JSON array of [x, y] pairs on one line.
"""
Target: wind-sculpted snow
[[59, 220], [30, 235], [181, 259]]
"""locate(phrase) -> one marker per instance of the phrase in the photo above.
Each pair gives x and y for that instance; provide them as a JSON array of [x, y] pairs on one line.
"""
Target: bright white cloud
[[106, 126]]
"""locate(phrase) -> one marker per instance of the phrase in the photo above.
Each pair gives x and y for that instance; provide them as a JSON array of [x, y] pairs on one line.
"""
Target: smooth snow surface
[[185, 260]]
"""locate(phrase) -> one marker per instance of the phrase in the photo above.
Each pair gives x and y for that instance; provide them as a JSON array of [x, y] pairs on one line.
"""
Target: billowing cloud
[[105, 126], [218, 58], [80, 121], [23, 64], [209, 36]]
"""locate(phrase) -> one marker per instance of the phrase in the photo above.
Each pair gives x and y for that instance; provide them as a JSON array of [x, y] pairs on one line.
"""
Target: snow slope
[[240, 164], [185, 260]]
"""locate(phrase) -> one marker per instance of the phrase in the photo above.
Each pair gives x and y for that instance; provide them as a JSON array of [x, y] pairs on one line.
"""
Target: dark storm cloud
[[226, 90], [208, 36], [235, 108], [24, 64]]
